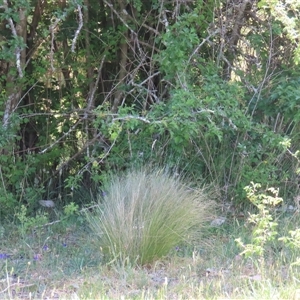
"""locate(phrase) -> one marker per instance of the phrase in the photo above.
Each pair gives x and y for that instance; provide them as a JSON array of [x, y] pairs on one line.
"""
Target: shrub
[[265, 228], [144, 214]]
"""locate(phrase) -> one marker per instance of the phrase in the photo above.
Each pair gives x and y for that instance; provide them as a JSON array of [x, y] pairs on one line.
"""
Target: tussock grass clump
[[147, 213]]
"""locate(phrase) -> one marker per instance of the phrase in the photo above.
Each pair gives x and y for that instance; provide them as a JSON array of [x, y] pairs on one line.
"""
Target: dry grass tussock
[[145, 214]]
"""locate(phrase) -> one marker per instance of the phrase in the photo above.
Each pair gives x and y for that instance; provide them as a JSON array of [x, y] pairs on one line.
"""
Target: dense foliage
[[209, 88]]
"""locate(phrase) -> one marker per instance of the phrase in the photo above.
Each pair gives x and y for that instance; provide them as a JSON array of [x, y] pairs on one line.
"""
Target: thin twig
[[62, 137], [76, 154], [201, 44], [128, 117], [118, 15], [143, 24], [92, 94], [260, 87]]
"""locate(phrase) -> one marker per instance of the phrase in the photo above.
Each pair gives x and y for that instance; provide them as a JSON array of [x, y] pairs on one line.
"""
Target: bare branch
[[52, 28], [260, 87], [90, 101], [102, 158], [61, 138], [18, 49], [201, 44], [143, 24], [89, 143], [118, 15], [78, 29], [93, 91], [132, 118]]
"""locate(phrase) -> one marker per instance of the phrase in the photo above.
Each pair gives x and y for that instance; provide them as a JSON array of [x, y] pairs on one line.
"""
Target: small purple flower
[[4, 256], [37, 257], [45, 248], [64, 245], [177, 248]]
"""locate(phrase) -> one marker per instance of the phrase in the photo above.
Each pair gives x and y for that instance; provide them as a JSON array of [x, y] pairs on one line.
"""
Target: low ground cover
[[111, 250], [56, 262]]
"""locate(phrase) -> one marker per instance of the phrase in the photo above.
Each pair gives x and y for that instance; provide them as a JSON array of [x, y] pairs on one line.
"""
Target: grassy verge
[[56, 262], [141, 241]]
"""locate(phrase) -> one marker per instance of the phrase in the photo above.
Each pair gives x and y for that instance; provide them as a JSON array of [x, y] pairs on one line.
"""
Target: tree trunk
[[123, 60]]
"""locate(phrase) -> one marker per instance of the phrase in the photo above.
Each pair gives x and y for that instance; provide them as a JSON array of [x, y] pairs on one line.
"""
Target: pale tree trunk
[[13, 89]]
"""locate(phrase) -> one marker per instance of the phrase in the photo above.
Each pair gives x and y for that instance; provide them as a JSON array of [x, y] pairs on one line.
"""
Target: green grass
[[116, 252], [72, 267]]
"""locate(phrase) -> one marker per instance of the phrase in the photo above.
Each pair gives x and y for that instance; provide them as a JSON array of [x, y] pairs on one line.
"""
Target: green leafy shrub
[[265, 228], [28, 223], [144, 214]]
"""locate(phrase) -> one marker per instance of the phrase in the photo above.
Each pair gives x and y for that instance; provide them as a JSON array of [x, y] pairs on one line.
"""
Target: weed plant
[[145, 214]]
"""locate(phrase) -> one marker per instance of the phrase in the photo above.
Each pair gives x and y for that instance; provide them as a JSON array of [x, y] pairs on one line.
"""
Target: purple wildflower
[[45, 248], [4, 256], [37, 257]]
